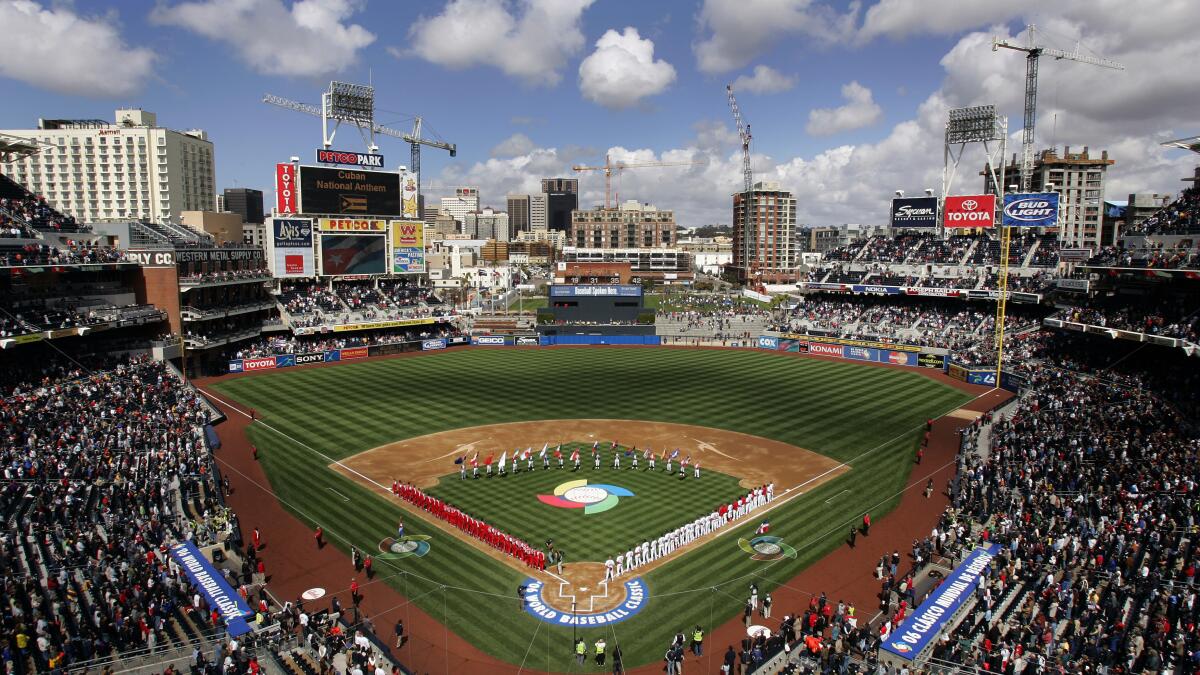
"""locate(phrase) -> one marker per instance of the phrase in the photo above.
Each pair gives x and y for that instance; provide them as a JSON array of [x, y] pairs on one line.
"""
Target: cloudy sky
[[847, 100]]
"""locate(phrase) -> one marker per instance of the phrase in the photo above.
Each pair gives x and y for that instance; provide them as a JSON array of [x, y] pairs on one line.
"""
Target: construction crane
[[743, 133], [1032, 53], [609, 168], [414, 139]]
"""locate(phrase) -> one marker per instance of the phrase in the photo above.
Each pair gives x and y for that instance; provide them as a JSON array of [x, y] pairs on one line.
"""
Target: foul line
[[344, 497]]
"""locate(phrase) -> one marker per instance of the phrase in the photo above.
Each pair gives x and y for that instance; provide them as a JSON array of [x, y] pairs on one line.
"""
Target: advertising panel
[[825, 350], [855, 343], [292, 244], [933, 292], [914, 212], [353, 353], [285, 360], [1074, 285], [1074, 254], [788, 345], [352, 158], [861, 353], [216, 591], [957, 372], [528, 341], [969, 211], [620, 290], [353, 254], [188, 255], [267, 363], [877, 290], [314, 357], [235, 366], [985, 378], [150, 258], [409, 207], [492, 340], [898, 358], [932, 361], [458, 340], [1036, 209], [926, 622], [395, 323], [408, 247], [285, 188], [334, 355], [349, 192], [768, 342], [427, 345], [352, 225], [821, 286]]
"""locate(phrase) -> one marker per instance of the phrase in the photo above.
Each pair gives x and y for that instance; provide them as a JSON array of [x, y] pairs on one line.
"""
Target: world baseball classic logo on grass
[[766, 547], [577, 494]]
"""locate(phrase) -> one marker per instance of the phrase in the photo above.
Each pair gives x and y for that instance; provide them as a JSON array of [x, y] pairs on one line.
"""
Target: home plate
[[313, 594]]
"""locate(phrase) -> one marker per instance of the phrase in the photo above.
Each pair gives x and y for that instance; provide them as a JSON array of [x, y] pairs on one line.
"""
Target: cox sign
[[1031, 210], [768, 342], [969, 211]]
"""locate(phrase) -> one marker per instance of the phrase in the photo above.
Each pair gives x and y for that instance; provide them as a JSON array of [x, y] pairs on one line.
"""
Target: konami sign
[[352, 158], [969, 211]]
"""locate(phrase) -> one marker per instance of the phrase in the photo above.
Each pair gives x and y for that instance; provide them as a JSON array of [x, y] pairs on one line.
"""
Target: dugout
[[601, 304]]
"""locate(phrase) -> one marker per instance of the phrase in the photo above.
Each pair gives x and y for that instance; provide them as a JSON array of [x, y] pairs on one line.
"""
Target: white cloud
[[310, 39], [622, 70], [1127, 113], [533, 46], [736, 31], [60, 50], [517, 144], [765, 80], [860, 111], [903, 18]]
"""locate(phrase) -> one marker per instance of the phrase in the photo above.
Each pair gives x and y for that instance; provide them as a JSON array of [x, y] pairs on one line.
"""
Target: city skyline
[[846, 101]]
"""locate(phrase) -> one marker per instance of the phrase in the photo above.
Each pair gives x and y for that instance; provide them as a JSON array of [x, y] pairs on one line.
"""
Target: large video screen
[[353, 254], [349, 192]]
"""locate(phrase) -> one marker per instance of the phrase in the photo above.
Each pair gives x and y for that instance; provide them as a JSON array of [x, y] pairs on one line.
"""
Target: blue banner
[[878, 290], [235, 366], [285, 360], [208, 582], [768, 342], [985, 378], [1037, 209], [490, 340], [439, 343], [916, 632], [334, 355]]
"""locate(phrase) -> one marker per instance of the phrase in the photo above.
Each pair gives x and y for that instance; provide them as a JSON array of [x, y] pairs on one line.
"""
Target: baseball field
[[835, 439]]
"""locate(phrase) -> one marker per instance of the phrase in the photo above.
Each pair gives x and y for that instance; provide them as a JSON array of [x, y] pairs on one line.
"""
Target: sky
[[847, 101]]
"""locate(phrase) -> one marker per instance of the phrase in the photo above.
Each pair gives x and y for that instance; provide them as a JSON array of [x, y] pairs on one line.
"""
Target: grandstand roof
[[1192, 143]]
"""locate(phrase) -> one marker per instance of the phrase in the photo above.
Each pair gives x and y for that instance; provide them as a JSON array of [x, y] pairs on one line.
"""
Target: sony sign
[[352, 158]]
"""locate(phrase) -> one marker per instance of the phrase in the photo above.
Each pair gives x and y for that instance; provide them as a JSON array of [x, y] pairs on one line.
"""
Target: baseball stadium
[[374, 426]]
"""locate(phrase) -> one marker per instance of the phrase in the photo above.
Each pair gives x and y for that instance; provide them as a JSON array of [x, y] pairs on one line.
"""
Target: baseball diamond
[[812, 428]]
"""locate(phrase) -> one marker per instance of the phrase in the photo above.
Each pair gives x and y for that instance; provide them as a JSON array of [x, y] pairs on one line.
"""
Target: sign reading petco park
[[969, 211]]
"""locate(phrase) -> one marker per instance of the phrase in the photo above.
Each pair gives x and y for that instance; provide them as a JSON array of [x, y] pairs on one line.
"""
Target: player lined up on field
[[631, 455], [652, 549], [497, 539]]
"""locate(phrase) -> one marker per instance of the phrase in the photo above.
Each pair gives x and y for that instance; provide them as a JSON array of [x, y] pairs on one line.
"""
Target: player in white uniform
[[616, 459], [620, 565], [635, 459], [608, 569], [696, 470]]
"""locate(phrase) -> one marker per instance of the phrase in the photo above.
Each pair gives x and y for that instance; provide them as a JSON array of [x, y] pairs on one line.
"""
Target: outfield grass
[[660, 503], [869, 417]]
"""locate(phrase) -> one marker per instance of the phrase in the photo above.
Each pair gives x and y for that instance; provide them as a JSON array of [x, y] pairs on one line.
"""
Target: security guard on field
[[580, 651], [698, 641]]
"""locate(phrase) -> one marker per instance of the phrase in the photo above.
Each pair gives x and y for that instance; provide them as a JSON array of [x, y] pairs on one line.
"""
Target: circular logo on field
[[766, 547], [413, 545], [578, 494], [635, 601]]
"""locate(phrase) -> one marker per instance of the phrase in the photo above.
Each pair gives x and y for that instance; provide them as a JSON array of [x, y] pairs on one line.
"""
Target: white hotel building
[[133, 169]]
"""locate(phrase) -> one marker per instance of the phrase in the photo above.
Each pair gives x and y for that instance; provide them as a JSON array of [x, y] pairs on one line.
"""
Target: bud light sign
[[1031, 210]]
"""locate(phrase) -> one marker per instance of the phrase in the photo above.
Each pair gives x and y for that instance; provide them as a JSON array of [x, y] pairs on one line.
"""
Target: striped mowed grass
[[869, 417]]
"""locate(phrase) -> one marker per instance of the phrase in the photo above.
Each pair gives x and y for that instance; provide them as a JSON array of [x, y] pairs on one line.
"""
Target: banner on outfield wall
[[985, 377], [914, 212], [527, 341], [1036, 209], [969, 211], [932, 361], [490, 340], [353, 353], [916, 632], [209, 583], [427, 345], [875, 290], [768, 342], [853, 343], [397, 323]]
